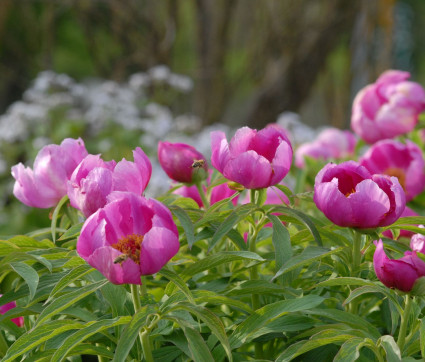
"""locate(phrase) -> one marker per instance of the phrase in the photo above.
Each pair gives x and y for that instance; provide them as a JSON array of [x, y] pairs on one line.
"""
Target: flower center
[[130, 247], [399, 173], [352, 191]]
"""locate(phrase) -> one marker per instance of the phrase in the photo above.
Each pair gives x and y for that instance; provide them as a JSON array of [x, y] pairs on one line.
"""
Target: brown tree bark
[[289, 88]]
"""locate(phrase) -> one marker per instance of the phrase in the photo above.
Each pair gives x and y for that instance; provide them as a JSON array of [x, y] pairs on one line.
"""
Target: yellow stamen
[[130, 246]]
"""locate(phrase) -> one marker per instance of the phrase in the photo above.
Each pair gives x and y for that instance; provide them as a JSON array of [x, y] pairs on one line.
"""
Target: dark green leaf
[[28, 274], [185, 222]]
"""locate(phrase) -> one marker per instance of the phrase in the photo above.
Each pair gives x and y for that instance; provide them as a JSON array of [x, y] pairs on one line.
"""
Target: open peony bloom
[[45, 184], [397, 273], [330, 143], [94, 179], [130, 237], [387, 108], [4, 308], [182, 162], [350, 196], [393, 158], [254, 159], [417, 242]]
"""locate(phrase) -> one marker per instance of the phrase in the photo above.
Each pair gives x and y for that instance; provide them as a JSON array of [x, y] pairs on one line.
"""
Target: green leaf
[[197, 346], [38, 335], [68, 299], [265, 314], [344, 281], [305, 219], [72, 233], [422, 337], [69, 278], [237, 239], [185, 222], [349, 351], [205, 296], [178, 282], [350, 319], [130, 333], [321, 339], [90, 329], [255, 287], [55, 215], [309, 255], [216, 259], [374, 289], [391, 349], [28, 274], [281, 242], [211, 320], [233, 219], [408, 220], [116, 296]]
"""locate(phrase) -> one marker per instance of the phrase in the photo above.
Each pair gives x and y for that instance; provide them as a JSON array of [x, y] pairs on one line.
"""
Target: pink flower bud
[[6, 307], [182, 162], [417, 242], [397, 273]]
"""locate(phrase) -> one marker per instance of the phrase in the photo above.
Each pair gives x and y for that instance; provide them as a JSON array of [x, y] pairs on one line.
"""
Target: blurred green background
[[245, 62]]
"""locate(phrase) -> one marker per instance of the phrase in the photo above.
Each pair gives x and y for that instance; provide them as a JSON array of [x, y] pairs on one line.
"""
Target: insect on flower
[[121, 258], [198, 164]]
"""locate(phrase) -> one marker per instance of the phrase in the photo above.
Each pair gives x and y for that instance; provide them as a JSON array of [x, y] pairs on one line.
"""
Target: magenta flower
[[182, 162], [350, 196], [5, 307], [340, 143], [417, 242], [94, 179], [45, 184], [330, 143], [218, 193], [404, 161], [397, 273], [403, 233], [313, 150], [387, 108], [130, 237], [254, 159]]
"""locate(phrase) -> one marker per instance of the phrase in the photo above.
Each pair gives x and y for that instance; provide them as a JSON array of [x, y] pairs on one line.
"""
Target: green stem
[[143, 335], [253, 275], [357, 244], [403, 324], [202, 194], [3, 345]]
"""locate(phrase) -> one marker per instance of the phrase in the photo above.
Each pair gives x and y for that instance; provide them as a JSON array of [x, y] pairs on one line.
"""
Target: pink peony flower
[[253, 159], [313, 150], [218, 193], [404, 161], [397, 273], [130, 237], [417, 242], [403, 233], [182, 162], [45, 184], [387, 108], [330, 143], [339, 143], [5, 307], [350, 196], [94, 179]]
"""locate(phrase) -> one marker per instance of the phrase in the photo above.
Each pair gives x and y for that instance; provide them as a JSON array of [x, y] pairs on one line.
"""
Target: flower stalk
[[144, 334], [403, 323]]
